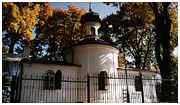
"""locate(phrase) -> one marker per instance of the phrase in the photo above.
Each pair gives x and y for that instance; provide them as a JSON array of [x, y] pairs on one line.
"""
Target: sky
[[98, 7]]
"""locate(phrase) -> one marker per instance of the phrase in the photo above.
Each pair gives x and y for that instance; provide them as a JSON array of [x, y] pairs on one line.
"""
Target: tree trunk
[[14, 39], [162, 50], [11, 47]]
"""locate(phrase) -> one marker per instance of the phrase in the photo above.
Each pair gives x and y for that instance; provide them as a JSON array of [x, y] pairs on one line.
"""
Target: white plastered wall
[[33, 90], [42, 68], [95, 58]]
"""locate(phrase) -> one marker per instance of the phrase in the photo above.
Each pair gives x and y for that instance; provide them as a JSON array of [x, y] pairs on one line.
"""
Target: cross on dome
[[90, 8]]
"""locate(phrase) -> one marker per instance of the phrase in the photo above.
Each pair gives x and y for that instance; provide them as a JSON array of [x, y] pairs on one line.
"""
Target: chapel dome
[[90, 17]]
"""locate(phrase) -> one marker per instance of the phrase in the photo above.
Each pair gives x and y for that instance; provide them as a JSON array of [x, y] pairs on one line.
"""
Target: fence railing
[[34, 89], [94, 88], [117, 89]]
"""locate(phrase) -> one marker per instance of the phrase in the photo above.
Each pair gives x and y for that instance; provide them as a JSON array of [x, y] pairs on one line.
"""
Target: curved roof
[[89, 41], [90, 17]]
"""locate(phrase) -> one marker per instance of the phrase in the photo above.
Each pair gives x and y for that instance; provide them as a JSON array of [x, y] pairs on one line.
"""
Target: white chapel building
[[90, 73]]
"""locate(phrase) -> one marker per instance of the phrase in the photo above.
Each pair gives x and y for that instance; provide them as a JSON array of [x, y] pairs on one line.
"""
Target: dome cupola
[[91, 22], [90, 17]]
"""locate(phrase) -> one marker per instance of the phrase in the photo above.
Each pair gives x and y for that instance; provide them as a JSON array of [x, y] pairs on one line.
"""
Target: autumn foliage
[[22, 17], [63, 28], [19, 18]]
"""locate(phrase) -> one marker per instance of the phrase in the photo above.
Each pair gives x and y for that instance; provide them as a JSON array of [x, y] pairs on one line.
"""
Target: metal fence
[[93, 88], [73, 89], [122, 89]]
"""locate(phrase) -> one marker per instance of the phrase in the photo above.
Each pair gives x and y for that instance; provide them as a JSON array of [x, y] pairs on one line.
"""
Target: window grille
[[49, 80]]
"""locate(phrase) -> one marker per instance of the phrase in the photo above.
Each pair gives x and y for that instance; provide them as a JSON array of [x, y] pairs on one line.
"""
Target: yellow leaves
[[41, 23], [174, 27], [138, 10], [36, 9], [173, 12], [73, 8], [46, 11], [15, 26], [75, 12], [61, 13], [6, 4], [57, 10], [23, 17], [28, 34], [30, 4], [15, 13], [64, 25], [82, 11]]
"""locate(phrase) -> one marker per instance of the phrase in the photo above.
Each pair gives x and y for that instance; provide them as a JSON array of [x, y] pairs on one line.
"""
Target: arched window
[[137, 83], [49, 82], [92, 31], [103, 80], [58, 79]]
